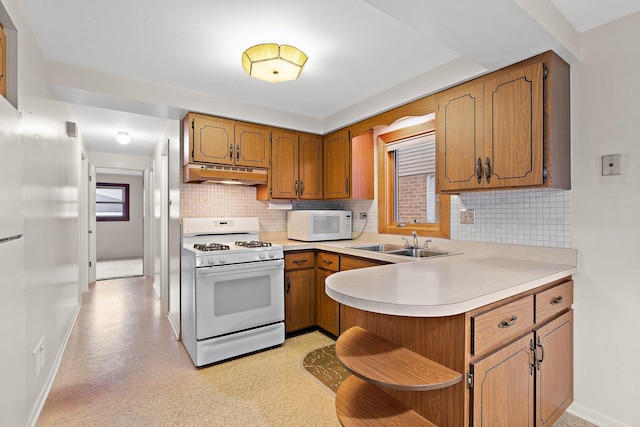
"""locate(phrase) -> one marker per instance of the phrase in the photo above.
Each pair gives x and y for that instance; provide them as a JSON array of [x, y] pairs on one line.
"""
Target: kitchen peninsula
[[498, 316]]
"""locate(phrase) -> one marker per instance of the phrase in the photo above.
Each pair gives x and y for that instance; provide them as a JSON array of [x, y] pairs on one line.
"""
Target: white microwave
[[318, 225]]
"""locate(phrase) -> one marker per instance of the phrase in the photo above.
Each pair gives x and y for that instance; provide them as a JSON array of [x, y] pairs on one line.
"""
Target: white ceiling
[[120, 62]]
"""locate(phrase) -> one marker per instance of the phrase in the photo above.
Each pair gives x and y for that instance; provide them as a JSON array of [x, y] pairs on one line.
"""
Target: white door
[[92, 223]]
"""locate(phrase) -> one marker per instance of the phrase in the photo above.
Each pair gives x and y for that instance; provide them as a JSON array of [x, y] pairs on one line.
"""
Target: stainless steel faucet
[[416, 245]]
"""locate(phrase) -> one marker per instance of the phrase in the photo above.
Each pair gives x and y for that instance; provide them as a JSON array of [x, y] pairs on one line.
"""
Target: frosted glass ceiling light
[[273, 63], [123, 138]]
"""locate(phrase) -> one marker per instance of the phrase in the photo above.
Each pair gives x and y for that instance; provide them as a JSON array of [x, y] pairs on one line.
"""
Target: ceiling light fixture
[[273, 63], [123, 138]]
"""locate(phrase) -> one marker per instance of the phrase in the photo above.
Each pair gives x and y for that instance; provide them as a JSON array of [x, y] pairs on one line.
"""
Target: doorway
[[120, 225]]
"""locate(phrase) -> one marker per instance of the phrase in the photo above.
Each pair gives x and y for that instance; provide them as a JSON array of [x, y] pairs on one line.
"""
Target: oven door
[[236, 297]]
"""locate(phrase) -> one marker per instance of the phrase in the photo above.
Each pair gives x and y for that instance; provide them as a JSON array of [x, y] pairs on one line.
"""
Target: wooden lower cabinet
[[519, 375], [299, 300], [554, 369], [502, 393], [327, 310], [299, 291]]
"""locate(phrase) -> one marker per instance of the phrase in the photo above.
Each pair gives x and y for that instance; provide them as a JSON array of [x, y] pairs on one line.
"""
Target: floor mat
[[324, 365]]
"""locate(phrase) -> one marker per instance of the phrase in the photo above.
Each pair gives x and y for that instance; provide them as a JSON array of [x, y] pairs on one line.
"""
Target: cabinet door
[[327, 310], [459, 137], [310, 167], [212, 139], [337, 165], [513, 130], [554, 369], [284, 165], [252, 146], [299, 299], [503, 392]]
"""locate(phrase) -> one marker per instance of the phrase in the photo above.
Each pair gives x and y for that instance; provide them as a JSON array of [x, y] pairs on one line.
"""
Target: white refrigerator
[[12, 275]]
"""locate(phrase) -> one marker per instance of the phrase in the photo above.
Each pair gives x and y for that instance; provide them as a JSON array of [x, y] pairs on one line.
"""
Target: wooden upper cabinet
[[252, 145], [210, 139], [348, 165], [513, 145], [3, 62], [284, 170], [337, 159], [214, 140], [296, 167], [310, 166], [508, 129], [459, 145]]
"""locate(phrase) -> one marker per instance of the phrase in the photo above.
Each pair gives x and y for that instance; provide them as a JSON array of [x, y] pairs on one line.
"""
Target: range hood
[[219, 174]]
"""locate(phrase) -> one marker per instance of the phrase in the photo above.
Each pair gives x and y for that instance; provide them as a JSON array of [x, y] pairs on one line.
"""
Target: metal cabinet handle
[[541, 358], [506, 324], [487, 170], [295, 187], [328, 262], [556, 300], [231, 151], [346, 185], [288, 286], [300, 261], [237, 151], [301, 187], [479, 170]]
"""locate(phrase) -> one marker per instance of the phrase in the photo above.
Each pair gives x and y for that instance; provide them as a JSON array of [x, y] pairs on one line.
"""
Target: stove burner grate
[[253, 244], [210, 247]]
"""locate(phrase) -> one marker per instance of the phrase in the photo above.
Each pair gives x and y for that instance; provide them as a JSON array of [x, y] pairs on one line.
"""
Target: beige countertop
[[479, 274]]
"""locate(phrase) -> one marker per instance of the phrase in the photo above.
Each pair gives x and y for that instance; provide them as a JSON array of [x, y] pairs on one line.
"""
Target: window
[[407, 180], [112, 202]]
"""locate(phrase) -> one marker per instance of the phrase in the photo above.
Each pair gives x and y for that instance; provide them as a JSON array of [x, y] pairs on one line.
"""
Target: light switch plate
[[611, 164]]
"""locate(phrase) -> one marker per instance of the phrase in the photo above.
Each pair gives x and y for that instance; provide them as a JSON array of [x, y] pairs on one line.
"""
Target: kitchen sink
[[418, 253], [390, 249], [383, 247]]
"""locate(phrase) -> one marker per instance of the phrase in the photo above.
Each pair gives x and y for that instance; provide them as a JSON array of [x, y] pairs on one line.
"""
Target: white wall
[[605, 99], [44, 306], [122, 239]]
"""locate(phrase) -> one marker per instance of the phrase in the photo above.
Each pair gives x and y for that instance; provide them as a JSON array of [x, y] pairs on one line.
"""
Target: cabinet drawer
[[349, 263], [553, 301], [328, 261], [501, 324], [293, 261]]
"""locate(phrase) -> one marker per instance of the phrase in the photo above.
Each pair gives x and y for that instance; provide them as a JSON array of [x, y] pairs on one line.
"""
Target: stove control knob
[[262, 255], [272, 255], [212, 260], [222, 260]]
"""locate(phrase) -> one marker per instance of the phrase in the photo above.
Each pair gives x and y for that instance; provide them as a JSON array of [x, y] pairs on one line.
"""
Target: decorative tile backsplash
[[539, 217]]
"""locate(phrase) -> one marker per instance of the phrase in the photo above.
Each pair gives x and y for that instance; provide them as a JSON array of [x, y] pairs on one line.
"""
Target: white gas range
[[232, 289]]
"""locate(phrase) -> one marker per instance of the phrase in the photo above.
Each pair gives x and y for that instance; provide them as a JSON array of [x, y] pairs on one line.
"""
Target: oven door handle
[[251, 267]]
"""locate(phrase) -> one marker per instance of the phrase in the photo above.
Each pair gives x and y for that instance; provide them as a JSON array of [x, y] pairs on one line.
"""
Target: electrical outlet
[[467, 216], [363, 215], [611, 164]]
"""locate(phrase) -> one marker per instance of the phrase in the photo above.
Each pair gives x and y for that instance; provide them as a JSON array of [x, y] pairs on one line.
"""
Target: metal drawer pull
[[487, 170], [300, 261], [505, 324], [326, 261], [557, 300]]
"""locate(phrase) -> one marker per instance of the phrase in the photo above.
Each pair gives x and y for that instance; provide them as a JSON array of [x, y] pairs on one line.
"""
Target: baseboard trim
[[44, 393], [594, 417]]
